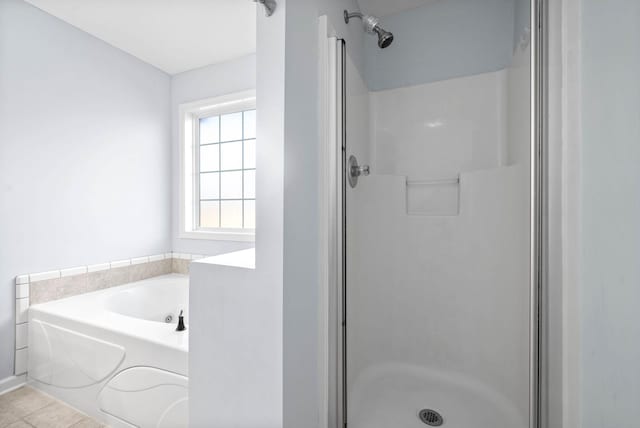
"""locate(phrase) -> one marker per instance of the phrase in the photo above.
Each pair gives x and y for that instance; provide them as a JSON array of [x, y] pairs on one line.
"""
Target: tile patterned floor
[[26, 407]]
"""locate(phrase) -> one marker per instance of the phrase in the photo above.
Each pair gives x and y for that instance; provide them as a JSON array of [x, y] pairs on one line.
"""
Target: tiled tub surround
[[44, 287], [111, 354], [65, 286]]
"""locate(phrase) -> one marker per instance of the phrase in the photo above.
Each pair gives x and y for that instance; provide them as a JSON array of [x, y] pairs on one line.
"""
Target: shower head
[[384, 37], [371, 25]]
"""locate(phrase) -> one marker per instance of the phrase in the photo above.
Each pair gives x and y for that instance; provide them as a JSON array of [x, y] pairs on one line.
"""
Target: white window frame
[[189, 115]]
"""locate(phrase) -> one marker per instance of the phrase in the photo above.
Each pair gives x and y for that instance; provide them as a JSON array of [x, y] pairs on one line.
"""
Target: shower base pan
[[401, 396]]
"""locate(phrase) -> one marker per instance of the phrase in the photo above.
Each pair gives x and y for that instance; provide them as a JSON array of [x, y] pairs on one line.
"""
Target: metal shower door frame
[[342, 210], [538, 207], [537, 218]]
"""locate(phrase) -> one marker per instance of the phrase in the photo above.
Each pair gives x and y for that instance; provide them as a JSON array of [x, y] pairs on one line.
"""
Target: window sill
[[218, 236]]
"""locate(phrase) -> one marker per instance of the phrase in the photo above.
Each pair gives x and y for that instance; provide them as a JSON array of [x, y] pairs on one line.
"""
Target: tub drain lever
[[180, 326]]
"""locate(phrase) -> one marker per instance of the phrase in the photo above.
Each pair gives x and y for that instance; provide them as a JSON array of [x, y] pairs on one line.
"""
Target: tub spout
[[181, 326]]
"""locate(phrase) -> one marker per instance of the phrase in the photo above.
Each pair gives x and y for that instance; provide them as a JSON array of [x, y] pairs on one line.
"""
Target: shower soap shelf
[[433, 197]]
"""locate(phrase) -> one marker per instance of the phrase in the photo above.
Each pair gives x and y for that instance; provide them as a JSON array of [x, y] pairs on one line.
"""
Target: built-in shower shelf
[[433, 196], [433, 182]]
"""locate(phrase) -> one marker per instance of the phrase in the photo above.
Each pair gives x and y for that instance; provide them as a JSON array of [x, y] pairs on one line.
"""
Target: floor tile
[[87, 423], [55, 415], [23, 401], [28, 408], [19, 424], [7, 417]]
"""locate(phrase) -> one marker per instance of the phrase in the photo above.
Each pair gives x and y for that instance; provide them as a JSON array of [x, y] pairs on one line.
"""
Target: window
[[219, 168]]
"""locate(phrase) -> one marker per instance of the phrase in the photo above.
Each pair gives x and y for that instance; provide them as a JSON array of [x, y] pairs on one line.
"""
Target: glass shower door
[[437, 292]]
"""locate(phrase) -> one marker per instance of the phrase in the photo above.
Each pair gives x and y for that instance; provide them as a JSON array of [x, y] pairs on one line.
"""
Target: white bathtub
[[111, 354]]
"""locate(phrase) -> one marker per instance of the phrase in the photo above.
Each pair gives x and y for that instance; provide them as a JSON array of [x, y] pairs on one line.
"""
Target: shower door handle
[[356, 171]]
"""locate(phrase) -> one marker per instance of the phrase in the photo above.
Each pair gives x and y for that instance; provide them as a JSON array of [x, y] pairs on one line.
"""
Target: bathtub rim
[[90, 311]]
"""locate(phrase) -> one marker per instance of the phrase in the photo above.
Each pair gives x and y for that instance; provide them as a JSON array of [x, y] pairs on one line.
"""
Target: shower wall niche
[[438, 234]]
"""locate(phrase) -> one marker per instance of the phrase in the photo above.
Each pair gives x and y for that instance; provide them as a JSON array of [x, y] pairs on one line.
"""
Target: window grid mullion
[[219, 168], [198, 209], [242, 203], [224, 142], [227, 199], [227, 170]]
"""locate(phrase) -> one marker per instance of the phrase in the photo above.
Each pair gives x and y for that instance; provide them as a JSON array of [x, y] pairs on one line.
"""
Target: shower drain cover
[[430, 417]]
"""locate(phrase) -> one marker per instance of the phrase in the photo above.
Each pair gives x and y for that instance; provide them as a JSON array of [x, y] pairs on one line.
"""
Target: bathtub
[[115, 354]]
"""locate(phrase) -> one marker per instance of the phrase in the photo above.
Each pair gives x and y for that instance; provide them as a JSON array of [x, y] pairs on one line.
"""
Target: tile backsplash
[[66, 286], [44, 287]]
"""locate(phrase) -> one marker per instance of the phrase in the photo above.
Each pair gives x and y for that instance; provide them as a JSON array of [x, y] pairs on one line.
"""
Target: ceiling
[[173, 35], [387, 7]]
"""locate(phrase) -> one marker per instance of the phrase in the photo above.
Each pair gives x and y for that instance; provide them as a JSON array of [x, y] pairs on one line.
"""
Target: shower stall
[[436, 291]]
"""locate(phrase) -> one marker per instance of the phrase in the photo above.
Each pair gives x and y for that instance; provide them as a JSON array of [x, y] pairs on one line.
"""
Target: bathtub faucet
[[181, 326]]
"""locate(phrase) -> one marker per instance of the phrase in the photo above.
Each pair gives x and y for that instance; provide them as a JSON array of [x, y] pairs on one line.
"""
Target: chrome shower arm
[[348, 16], [370, 22]]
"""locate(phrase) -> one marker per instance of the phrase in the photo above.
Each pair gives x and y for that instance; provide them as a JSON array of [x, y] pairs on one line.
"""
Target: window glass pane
[[250, 214], [249, 124], [231, 185], [210, 158], [231, 155], [250, 184], [209, 131], [231, 214], [231, 127], [209, 186], [210, 214], [250, 154], [227, 176]]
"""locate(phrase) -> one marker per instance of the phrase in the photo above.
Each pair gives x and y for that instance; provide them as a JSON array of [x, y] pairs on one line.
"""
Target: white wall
[[610, 207], [559, 334], [236, 313], [565, 211], [84, 153], [479, 39], [206, 82]]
